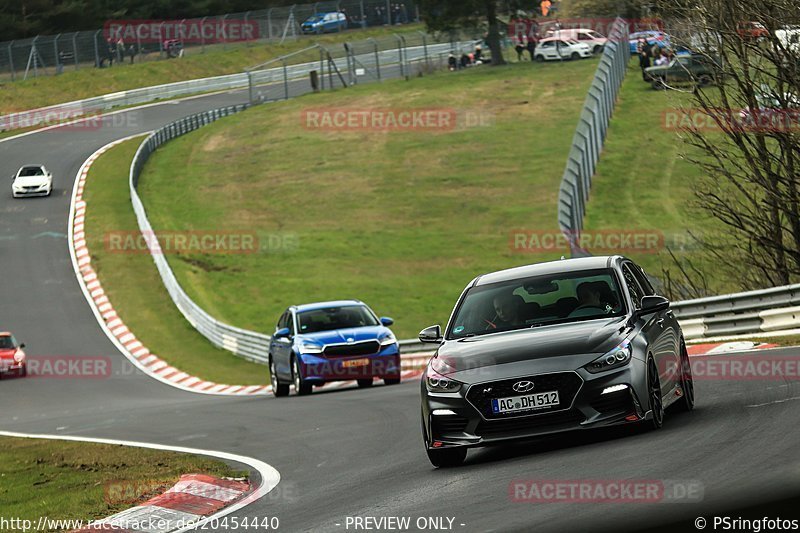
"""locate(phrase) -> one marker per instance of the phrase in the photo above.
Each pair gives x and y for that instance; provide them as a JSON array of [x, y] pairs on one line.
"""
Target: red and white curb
[[715, 348], [190, 490], [192, 498], [125, 340]]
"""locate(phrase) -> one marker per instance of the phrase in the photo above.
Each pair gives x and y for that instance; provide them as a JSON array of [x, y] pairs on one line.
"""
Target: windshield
[[331, 318], [7, 343], [315, 18], [536, 301], [31, 171]]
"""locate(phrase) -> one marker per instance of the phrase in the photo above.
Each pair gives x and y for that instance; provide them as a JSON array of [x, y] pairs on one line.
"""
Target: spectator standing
[[519, 47], [531, 46], [111, 51], [644, 57]]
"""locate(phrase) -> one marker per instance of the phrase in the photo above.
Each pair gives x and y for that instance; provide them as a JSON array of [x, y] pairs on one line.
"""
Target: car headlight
[[310, 347], [436, 381], [389, 339], [618, 357]]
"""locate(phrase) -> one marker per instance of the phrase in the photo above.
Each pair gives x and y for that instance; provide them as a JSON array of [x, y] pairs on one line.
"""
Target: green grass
[[88, 81], [83, 481], [643, 181], [133, 285], [401, 220]]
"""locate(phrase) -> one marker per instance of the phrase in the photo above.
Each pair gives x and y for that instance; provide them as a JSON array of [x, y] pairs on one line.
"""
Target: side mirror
[[432, 334], [22, 345], [386, 321], [282, 333], [653, 304]]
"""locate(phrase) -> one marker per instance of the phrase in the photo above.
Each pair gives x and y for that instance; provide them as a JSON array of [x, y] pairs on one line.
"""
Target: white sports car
[[32, 180]]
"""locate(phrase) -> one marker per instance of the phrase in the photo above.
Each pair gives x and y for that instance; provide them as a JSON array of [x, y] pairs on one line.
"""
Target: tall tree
[[751, 157], [452, 15]]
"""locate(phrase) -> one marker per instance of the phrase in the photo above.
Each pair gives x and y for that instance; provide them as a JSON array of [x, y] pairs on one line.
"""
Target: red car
[[12, 358], [752, 31]]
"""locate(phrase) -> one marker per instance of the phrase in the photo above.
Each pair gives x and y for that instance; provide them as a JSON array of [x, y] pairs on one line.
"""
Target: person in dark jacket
[[531, 46], [644, 57]]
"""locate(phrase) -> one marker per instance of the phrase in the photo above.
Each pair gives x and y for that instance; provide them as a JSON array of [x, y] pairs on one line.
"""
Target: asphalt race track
[[353, 452]]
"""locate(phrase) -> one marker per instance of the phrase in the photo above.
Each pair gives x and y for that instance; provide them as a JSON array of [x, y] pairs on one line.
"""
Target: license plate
[[528, 402], [355, 362]]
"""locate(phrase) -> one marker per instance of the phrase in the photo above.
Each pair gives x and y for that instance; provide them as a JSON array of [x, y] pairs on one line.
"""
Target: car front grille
[[619, 401], [529, 424], [359, 348], [566, 383]]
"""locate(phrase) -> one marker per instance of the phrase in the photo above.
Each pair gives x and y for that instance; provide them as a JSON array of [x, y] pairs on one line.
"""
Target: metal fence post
[[399, 53], [203, 35], [269, 23], [55, 51], [246, 25], [425, 47], [224, 32], [285, 79], [139, 39], [11, 61], [96, 49], [314, 7], [321, 69], [377, 58], [161, 38], [75, 49], [388, 13]]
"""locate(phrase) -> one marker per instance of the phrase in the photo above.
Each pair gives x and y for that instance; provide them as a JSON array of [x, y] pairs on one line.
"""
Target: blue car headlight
[[310, 347], [388, 340], [616, 358]]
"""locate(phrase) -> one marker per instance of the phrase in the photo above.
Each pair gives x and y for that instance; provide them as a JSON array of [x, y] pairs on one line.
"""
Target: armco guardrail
[[591, 133], [244, 343], [247, 344], [388, 55], [754, 312]]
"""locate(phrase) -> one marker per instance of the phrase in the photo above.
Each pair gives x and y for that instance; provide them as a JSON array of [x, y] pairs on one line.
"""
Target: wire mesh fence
[[128, 41], [353, 62]]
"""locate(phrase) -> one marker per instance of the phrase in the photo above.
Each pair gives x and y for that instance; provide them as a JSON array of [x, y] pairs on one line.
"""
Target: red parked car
[[12, 358], [752, 31]]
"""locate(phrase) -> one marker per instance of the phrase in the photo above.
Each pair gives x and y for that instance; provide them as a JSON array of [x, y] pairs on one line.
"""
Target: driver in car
[[507, 308]]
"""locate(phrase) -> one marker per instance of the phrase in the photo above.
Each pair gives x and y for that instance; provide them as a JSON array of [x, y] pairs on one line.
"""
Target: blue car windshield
[[331, 318], [537, 301], [315, 18]]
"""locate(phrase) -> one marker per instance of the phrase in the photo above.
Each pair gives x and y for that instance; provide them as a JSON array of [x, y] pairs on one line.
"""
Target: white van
[[595, 40]]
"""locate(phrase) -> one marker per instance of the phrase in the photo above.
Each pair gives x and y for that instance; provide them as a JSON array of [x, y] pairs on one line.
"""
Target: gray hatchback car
[[552, 347]]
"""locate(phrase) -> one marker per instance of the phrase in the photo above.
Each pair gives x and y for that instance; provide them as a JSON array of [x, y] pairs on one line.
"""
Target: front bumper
[[10, 365], [318, 368], [456, 419], [26, 193]]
